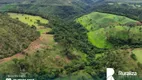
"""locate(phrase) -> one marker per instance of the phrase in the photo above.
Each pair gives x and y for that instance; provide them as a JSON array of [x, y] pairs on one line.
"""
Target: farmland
[[138, 53], [29, 19], [102, 26]]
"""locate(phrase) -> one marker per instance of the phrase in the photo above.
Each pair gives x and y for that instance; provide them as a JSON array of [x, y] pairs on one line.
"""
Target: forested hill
[[14, 36], [126, 1], [51, 2], [61, 8]]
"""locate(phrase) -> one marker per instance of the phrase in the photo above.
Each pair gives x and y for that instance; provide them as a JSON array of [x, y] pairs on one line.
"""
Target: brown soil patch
[[42, 42], [34, 46]]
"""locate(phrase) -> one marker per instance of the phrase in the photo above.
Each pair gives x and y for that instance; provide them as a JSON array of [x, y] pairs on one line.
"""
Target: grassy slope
[[97, 24], [32, 21], [138, 53], [28, 19]]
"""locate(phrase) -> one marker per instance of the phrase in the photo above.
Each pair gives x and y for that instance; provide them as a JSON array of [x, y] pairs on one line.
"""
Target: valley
[[70, 39], [46, 43]]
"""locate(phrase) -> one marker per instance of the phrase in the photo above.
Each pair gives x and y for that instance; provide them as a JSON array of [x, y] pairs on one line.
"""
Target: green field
[[96, 20], [44, 30], [29, 19], [102, 25], [98, 38], [138, 53], [36, 21]]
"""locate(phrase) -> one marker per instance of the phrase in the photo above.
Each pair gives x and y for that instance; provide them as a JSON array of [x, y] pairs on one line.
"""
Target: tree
[[133, 56]]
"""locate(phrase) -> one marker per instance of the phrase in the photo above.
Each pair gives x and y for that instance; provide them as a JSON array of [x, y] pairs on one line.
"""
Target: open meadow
[[103, 26]]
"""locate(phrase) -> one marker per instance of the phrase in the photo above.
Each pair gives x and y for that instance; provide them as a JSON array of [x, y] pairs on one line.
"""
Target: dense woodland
[[123, 9], [14, 36]]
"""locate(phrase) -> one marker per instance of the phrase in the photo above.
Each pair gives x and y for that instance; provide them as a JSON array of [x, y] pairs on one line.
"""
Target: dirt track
[[34, 46]]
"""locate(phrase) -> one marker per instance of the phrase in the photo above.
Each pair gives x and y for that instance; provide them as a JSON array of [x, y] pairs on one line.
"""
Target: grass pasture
[[96, 20], [138, 53], [32, 21], [43, 31], [98, 38], [103, 25], [29, 19]]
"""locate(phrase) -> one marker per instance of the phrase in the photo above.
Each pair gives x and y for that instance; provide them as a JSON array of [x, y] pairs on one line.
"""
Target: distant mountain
[[62, 8], [48, 2], [126, 1]]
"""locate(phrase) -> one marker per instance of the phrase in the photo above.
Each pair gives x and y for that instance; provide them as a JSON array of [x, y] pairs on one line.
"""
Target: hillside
[[125, 1], [45, 2], [61, 8], [70, 39], [106, 30], [14, 36]]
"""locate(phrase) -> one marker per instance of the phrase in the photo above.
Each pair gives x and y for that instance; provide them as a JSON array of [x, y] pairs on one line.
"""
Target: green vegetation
[[138, 53], [44, 30], [122, 35], [131, 10], [33, 21], [99, 39], [61, 8], [76, 49], [29, 19], [80, 75], [14, 36], [126, 1], [103, 27], [38, 23], [97, 20], [133, 56]]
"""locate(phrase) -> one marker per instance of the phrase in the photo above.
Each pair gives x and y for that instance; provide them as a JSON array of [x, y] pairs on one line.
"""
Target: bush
[[133, 56]]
